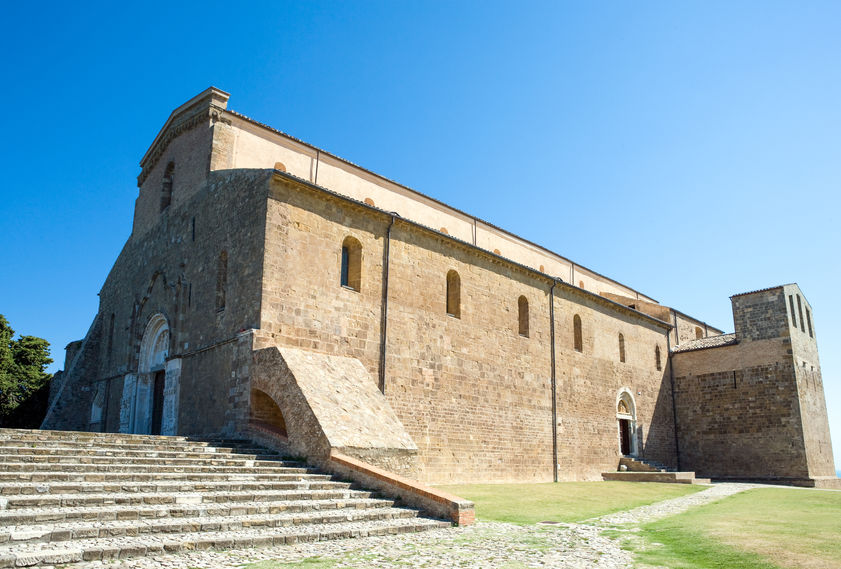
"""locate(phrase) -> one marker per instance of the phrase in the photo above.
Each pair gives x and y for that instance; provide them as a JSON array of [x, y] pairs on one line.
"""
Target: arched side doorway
[[627, 422], [265, 413], [150, 397]]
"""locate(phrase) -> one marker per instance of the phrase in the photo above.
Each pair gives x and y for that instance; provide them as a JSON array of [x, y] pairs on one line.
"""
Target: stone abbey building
[[274, 291]]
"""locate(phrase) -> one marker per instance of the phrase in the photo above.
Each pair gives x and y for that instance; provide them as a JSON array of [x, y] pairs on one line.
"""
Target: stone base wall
[[742, 423]]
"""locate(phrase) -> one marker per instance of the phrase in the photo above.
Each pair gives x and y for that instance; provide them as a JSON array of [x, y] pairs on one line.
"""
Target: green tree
[[22, 364]]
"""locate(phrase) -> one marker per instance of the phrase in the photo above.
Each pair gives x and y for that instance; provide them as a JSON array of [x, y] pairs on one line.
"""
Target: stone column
[[143, 405], [172, 390], [127, 403]]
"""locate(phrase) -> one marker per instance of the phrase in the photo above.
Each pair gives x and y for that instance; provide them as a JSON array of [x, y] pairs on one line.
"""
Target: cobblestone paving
[[483, 545]]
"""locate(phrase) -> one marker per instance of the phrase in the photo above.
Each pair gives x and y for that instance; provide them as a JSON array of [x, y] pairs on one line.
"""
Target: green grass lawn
[[758, 529], [564, 501]]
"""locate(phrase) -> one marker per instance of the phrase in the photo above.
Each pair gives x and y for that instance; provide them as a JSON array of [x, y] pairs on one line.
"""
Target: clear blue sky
[[691, 149]]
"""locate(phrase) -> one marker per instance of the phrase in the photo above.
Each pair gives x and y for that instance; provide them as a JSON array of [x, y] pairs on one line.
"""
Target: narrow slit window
[[621, 348], [453, 294], [523, 313], [351, 273], [809, 322], [793, 317], [800, 313], [657, 361], [110, 337], [577, 340], [166, 185], [222, 280]]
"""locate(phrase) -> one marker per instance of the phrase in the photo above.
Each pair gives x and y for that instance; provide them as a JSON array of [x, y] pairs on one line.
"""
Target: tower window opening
[[800, 313], [657, 362], [793, 317], [809, 322]]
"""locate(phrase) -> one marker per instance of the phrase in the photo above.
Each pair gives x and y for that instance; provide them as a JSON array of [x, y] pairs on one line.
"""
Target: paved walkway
[[483, 545]]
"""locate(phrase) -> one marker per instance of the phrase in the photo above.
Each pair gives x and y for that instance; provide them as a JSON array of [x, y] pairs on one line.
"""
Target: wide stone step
[[110, 513], [276, 467], [49, 488], [106, 549], [210, 460], [70, 500], [26, 452], [128, 477], [66, 497], [68, 531], [84, 436], [160, 446]]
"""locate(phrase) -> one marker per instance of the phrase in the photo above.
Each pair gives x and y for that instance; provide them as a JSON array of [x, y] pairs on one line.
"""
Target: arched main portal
[[154, 401], [626, 419]]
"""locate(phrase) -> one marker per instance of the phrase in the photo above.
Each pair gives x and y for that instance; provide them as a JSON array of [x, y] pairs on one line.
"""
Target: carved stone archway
[[626, 418], [150, 397]]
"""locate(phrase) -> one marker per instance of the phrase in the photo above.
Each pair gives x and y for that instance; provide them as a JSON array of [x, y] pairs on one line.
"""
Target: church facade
[[273, 291]]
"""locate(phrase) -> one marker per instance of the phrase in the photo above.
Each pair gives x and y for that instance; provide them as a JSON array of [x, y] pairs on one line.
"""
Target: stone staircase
[[67, 497]]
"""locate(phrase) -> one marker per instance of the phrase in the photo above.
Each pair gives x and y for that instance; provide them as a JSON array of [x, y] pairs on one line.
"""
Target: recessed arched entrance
[[150, 396], [626, 419], [265, 413]]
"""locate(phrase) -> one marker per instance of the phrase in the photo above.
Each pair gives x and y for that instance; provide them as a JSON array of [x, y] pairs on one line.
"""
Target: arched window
[[166, 185], [578, 342], [523, 312], [698, 333], [657, 358], [453, 294], [351, 264], [621, 348], [221, 280]]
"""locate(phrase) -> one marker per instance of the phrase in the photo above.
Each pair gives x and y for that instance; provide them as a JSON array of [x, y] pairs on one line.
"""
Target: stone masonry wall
[[589, 384], [742, 423], [760, 315], [70, 398], [756, 409], [804, 353], [172, 269], [474, 395], [190, 153]]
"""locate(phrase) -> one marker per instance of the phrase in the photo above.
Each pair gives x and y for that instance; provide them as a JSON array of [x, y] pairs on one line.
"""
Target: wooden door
[[158, 402], [625, 436]]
